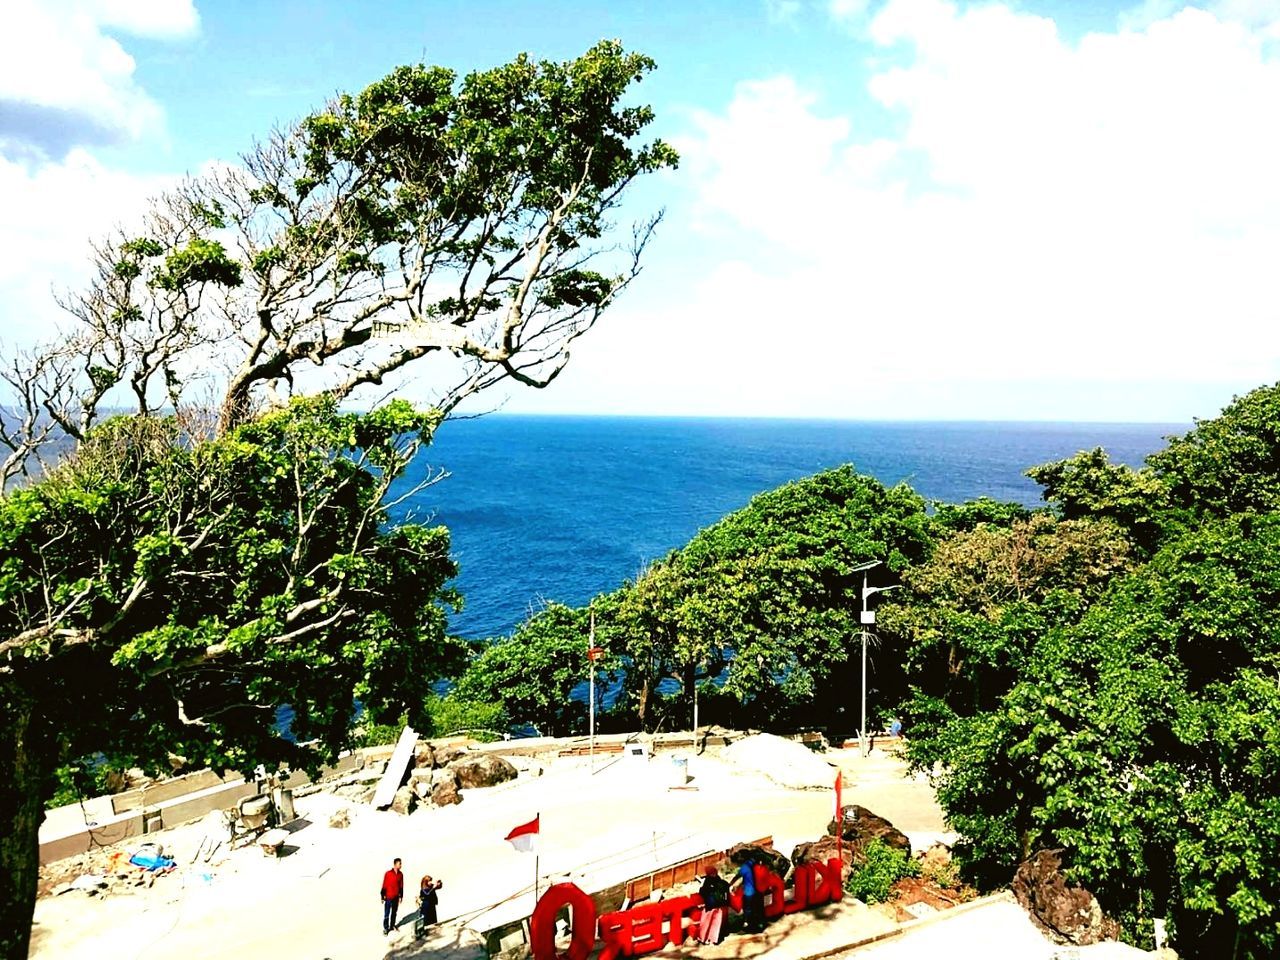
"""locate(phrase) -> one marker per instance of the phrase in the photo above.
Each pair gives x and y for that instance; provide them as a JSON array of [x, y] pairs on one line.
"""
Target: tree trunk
[[642, 703], [25, 758]]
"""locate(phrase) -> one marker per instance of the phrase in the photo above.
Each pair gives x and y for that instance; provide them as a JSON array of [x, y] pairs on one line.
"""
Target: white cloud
[[64, 82], [50, 215], [66, 85], [1105, 210]]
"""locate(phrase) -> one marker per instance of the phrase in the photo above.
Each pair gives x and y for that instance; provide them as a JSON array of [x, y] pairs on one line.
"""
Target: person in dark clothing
[[392, 893], [427, 902], [715, 902]]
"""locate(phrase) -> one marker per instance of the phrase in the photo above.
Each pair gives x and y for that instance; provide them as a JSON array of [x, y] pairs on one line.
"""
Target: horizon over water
[[561, 507]]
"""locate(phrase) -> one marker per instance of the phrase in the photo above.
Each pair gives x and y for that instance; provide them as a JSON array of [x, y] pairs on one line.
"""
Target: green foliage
[[533, 673], [1104, 681], [199, 261], [872, 881], [199, 585], [1089, 486], [452, 713], [1230, 464], [378, 734]]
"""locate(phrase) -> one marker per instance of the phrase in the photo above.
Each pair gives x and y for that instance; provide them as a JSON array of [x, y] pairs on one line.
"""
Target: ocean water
[[562, 508]]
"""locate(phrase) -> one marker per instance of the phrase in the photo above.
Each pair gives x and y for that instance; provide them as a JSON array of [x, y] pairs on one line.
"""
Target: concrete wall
[[169, 803]]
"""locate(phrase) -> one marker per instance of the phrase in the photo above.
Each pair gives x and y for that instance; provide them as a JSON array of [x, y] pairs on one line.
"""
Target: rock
[[421, 787], [936, 857], [404, 801], [356, 792], [447, 754], [764, 856], [482, 770], [340, 819], [1067, 914], [861, 826], [424, 756], [444, 789], [822, 850]]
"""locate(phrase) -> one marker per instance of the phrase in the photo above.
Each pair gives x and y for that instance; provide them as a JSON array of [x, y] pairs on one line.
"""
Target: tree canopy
[[209, 535]]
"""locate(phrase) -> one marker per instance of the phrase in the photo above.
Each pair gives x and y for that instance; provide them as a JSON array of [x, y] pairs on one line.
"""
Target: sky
[[904, 209]]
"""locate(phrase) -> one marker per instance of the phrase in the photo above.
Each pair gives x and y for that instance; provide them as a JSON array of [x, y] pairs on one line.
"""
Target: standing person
[[427, 902], [752, 898], [715, 900], [392, 894]]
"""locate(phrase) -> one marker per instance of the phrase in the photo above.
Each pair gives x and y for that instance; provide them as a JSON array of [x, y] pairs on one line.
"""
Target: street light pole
[[868, 617]]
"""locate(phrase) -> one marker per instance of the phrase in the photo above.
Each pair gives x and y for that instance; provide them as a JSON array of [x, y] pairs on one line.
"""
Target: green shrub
[[451, 713], [884, 865]]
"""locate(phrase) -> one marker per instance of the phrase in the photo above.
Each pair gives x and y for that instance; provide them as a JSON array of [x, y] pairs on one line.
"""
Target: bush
[[883, 867], [451, 713]]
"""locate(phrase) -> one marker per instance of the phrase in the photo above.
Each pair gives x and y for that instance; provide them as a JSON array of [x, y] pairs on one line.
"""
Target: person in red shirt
[[392, 894]]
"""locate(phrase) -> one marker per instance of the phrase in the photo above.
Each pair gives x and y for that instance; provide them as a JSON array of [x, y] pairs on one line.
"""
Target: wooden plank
[[396, 766]]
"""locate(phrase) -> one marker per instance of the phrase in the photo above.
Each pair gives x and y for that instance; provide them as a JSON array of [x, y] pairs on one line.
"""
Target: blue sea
[[561, 508]]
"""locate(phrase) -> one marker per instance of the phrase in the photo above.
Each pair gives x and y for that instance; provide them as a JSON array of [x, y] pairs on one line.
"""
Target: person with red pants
[[392, 894]]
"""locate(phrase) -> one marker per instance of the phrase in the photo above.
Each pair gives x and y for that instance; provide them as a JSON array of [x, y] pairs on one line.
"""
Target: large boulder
[[859, 826], [482, 770], [424, 757], [444, 787], [765, 856], [404, 801], [822, 850], [446, 754], [1067, 914]]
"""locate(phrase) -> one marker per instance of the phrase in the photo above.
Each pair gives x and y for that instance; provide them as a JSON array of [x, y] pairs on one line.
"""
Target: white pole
[[862, 727], [591, 710]]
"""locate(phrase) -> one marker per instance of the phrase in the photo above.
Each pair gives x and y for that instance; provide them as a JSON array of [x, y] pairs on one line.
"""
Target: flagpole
[[537, 848]]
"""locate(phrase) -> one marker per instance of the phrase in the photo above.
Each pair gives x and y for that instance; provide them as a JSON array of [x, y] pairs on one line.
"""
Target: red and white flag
[[525, 837]]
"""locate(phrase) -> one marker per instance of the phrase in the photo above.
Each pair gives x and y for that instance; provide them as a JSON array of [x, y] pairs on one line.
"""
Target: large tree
[[168, 582], [466, 222], [1102, 678], [162, 596]]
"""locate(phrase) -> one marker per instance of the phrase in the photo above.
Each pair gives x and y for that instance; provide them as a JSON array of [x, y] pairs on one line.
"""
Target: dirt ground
[[320, 899]]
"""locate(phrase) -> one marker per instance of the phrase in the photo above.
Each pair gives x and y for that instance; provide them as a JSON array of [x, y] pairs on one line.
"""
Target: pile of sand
[[785, 762]]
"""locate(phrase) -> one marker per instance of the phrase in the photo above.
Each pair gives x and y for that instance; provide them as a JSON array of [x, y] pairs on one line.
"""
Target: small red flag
[[524, 837]]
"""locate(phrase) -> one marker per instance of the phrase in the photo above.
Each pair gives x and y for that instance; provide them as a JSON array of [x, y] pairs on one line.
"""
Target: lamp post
[[868, 617]]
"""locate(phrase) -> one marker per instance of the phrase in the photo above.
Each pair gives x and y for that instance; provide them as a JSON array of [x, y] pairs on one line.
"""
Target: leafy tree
[[427, 216], [951, 518], [1229, 464], [1090, 486], [160, 596], [162, 592], [534, 673], [765, 602]]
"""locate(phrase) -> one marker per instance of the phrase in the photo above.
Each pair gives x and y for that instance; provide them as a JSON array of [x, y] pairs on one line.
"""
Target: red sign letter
[[542, 923]]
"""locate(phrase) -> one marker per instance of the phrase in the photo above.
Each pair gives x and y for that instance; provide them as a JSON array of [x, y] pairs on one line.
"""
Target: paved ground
[[994, 929], [321, 899]]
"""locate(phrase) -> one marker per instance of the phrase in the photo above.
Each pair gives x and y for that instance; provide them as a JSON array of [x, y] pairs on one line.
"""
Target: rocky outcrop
[[859, 826], [444, 787], [482, 770], [445, 755], [424, 757], [765, 856], [822, 850], [1067, 914]]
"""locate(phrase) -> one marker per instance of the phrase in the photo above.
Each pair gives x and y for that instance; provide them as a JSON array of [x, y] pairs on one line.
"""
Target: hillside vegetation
[[1101, 675]]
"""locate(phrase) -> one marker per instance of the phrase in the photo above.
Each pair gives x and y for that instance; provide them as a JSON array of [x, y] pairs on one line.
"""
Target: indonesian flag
[[524, 837]]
